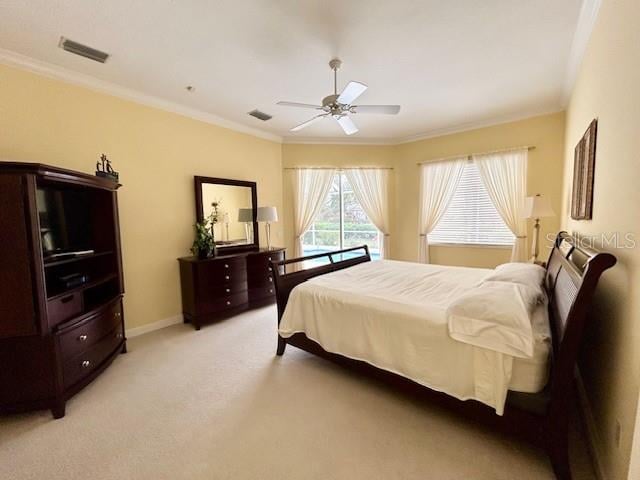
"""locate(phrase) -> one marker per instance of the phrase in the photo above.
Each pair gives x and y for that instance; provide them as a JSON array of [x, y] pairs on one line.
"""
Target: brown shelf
[[64, 261], [84, 286]]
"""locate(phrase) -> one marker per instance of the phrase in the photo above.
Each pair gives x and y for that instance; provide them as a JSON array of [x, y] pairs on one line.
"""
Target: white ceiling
[[449, 64]]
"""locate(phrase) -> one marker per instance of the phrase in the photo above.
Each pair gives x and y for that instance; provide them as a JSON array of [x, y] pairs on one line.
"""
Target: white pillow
[[527, 274], [496, 316]]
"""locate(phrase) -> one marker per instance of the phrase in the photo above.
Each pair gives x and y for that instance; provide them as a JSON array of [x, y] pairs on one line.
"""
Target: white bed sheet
[[392, 315]]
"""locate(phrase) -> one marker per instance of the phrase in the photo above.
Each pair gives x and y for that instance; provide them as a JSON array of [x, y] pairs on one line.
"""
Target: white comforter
[[392, 315]]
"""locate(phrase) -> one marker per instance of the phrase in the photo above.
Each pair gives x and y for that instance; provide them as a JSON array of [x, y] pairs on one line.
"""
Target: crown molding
[[338, 141], [440, 132], [584, 28], [38, 67], [465, 127], [56, 72]]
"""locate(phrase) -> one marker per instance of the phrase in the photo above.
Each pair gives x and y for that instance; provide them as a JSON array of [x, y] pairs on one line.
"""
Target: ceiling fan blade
[[308, 122], [352, 91], [379, 109], [347, 125], [300, 105]]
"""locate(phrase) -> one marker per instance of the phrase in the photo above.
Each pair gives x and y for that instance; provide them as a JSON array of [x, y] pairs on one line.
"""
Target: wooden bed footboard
[[572, 274], [286, 281]]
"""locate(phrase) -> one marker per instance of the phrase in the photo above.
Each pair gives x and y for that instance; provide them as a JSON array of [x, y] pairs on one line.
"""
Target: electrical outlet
[[618, 433]]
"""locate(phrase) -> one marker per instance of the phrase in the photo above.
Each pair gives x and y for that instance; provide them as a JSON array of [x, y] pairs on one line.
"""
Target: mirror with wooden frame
[[233, 203]]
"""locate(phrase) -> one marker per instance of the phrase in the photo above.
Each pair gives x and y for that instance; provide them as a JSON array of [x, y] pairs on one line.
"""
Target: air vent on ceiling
[[260, 115], [83, 50]]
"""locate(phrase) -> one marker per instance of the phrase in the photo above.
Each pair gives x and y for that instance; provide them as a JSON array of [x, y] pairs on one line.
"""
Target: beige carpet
[[217, 404]]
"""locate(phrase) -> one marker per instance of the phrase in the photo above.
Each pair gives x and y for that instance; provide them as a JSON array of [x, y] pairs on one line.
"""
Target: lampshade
[[267, 214], [245, 215], [538, 207]]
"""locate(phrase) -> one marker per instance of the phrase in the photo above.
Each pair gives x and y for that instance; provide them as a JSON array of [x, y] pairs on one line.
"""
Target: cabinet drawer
[[77, 339], [262, 269], [263, 260], [64, 307], [81, 365], [260, 280], [222, 302], [214, 274], [261, 293]]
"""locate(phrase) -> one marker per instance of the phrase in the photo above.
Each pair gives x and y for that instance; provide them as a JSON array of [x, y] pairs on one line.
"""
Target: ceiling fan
[[340, 106]]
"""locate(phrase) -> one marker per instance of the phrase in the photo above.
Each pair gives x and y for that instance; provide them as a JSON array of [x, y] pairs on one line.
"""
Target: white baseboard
[[593, 437], [150, 327]]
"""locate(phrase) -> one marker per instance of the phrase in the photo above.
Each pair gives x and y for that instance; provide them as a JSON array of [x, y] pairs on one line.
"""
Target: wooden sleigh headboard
[[573, 271]]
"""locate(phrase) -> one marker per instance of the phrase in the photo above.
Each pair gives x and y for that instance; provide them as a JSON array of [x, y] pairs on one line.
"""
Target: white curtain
[[310, 188], [438, 183], [371, 188], [504, 175]]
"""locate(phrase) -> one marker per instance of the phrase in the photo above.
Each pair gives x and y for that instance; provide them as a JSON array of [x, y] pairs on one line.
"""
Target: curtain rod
[[337, 168], [469, 155]]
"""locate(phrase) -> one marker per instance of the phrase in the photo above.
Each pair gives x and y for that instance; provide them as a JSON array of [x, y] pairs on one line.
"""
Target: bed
[[387, 319]]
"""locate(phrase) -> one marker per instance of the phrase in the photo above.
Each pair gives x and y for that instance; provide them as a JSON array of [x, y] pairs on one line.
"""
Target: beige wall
[[157, 154], [608, 88], [546, 133]]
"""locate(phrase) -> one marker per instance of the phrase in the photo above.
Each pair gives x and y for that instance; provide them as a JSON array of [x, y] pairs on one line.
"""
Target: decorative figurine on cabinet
[[105, 170]]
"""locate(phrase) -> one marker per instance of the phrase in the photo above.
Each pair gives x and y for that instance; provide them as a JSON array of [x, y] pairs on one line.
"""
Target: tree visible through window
[[341, 223], [471, 217]]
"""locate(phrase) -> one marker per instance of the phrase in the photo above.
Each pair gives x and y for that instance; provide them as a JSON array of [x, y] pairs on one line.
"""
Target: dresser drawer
[[76, 339], [222, 302], [260, 280], [261, 261], [64, 307], [261, 293], [216, 273], [78, 367]]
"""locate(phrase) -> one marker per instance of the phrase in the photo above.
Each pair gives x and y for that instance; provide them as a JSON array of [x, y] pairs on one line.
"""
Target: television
[[64, 215]]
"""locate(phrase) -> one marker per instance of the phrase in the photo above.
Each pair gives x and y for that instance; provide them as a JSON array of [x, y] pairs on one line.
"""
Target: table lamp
[[245, 215], [268, 215], [537, 207]]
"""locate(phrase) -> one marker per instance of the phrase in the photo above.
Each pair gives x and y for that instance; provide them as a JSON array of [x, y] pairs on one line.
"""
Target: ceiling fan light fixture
[[339, 106]]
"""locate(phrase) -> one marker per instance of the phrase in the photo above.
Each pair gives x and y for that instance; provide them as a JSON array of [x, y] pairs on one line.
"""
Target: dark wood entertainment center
[[61, 316]]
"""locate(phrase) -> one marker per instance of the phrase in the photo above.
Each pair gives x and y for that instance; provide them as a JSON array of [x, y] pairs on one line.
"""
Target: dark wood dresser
[[57, 332], [217, 288]]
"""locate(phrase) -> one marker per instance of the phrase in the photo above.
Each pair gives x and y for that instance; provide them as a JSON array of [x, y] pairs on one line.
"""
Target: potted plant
[[203, 244]]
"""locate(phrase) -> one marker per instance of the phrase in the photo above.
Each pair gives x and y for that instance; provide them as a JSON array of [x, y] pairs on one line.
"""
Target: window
[[341, 223], [471, 217]]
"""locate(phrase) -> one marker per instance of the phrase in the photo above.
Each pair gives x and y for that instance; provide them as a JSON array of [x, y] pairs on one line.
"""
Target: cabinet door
[[17, 308]]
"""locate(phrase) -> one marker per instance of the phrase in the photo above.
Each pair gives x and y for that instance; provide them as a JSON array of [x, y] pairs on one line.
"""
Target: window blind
[[471, 217]]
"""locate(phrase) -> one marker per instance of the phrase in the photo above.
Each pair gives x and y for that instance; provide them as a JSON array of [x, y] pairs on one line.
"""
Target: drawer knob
[[270, 269], [226, 265], [270, 279], [269, 258], [86, 364], [226, 277], [118, 335], [82, 338], [228, 302], [118, 314], [271, 290], [228, 290]]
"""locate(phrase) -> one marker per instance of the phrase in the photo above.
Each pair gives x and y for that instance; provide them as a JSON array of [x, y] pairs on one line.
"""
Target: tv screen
[[64, 220]]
